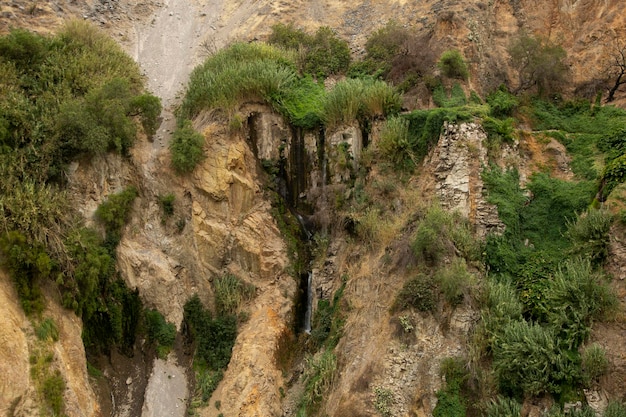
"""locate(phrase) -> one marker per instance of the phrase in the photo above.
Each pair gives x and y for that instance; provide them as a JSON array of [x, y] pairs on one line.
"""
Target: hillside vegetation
[[539, 286]]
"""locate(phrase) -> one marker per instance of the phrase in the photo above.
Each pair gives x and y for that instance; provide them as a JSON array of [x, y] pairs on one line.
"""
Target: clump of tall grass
[[395, 145], [241, 72], [352, 98]]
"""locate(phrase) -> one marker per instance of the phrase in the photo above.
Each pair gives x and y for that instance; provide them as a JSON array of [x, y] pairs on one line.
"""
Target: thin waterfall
[[309, 304]]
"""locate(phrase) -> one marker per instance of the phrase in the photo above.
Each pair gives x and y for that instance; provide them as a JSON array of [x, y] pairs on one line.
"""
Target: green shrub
[[303, 103], [614, 174], [214, 337], [527, 358], [575, 297], [594, 363], [590, 235], [502, 306], [114, 212], [322, 54], [343, 103], [449, 399], [452, 65], [379, 99], [418, 292], [430, 243], [502, 103], [27, 264], [53, 389], [327, 54], [47, 330], [230, 292], [149, 108], [160, 332], [454, 281], [504, 407], [167, 204], [241, 72], [327, 323], [186, 148]]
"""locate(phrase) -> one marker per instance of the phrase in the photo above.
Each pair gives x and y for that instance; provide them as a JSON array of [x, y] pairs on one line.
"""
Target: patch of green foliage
[[454, 98], [504, 407], [160, 332], [449, 399], [615, 409], [186, 148], [418, 293], [240, 72], [425, 127], [47, 330], [454, 281], [354, 99], [52, 390], [453, 65], [528, 358], [594, 363], [318, 377], [167, 204], [502, 103], [321, 54], [27, 265], [303, 103], [327, 323], [383, 401], [541, 304], [114, 213], [589, 235], [394, 144], [230, 292], [214, 339]]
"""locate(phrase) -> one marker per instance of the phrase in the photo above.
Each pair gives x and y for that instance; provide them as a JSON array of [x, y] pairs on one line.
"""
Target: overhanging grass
[[243, 71]]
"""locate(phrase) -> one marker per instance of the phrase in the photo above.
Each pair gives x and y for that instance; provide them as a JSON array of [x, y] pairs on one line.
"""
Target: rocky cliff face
[[222, 220]]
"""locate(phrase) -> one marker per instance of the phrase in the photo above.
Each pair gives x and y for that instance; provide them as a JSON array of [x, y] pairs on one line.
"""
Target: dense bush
[[574, 298], [502, 103], [115, 211], [615, 409], [527, 358], [322, 53], [160, 332], [418, 293], [319, 374], [590, 235], [454, 281], [449, 399], [214, 337], [52, 390], [186, 148], [27, 265], [452, 65]]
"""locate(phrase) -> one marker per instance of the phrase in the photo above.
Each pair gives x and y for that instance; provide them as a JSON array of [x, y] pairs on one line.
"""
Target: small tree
[[186, 148], [453, 65], [617, 70], [540, 63]]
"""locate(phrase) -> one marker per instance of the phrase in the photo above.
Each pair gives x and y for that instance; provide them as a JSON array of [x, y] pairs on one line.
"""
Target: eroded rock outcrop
[[457, 161]]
